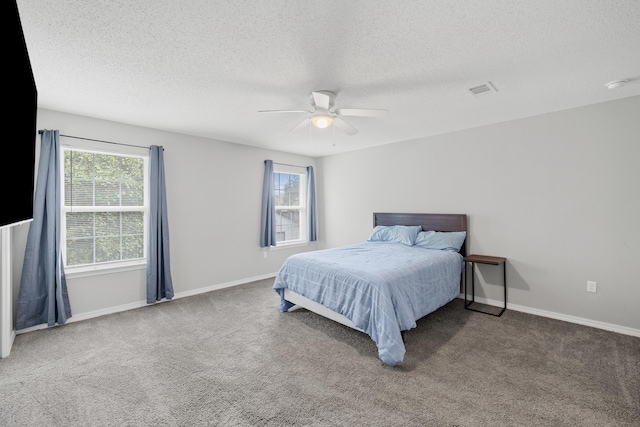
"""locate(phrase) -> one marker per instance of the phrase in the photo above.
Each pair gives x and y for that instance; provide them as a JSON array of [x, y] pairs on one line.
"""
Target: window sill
[[94, 270], [288, 245]]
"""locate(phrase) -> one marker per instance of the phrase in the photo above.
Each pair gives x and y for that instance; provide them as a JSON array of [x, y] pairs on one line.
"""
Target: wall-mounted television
[[20, 134]]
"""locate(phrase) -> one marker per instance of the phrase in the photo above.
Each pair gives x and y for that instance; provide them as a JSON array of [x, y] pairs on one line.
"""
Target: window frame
[[301, 208], [110, 266]]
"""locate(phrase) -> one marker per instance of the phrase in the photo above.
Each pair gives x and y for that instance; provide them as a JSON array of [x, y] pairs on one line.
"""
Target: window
[[290, 200], [104, 208]]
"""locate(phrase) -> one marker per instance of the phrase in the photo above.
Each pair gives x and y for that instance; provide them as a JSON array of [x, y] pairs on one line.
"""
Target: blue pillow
[[447, 241], [405, 234]]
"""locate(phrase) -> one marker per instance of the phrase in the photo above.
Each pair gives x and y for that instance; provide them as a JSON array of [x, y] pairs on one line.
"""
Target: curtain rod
[[287, 164], [98, 140]]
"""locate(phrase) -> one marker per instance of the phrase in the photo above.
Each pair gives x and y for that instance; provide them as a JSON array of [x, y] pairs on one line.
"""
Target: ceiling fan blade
[[362, 112], [284, 111], [321, 100], [300, 125], [344, 126]]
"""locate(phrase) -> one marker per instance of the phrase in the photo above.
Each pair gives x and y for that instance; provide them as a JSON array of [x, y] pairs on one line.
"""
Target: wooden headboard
[[436, 222]]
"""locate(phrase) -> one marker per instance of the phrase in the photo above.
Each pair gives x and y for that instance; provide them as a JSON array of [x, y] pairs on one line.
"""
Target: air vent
[[482, 89]]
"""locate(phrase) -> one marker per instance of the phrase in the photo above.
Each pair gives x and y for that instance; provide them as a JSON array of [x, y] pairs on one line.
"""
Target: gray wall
[[214, 194], [556, 194]]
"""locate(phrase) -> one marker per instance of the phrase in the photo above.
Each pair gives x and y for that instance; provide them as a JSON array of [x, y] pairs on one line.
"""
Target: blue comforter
[[382, 287]]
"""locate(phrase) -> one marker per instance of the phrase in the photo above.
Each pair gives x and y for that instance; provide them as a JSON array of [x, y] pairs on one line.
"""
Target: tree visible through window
[[104, 207], [290, 204]]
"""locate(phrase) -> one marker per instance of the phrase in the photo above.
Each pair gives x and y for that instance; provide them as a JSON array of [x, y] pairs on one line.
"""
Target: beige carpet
[[229, 358]]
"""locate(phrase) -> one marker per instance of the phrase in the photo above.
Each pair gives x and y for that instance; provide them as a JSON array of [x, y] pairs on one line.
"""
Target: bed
[[383, 285]]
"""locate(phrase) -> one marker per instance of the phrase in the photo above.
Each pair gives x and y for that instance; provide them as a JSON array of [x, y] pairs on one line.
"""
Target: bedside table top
[[485, 259]]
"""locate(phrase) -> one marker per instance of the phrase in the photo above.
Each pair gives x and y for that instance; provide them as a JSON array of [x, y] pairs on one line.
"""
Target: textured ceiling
[[205, 68]]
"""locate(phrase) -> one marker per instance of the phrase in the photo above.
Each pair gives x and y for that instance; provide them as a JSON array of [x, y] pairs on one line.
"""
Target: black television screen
[[18, 160]]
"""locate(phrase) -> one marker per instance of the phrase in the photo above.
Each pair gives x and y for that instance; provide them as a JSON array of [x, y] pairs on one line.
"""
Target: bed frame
[[435, 222]]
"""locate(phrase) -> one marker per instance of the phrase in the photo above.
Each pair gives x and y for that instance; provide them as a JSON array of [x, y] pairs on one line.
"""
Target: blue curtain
[[312, 222], [159, 283], [268, 216], [43, 287]]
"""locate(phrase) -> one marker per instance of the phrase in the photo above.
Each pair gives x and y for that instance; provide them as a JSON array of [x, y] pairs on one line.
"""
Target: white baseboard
[[143, 303], [222, 286], [558, 316]]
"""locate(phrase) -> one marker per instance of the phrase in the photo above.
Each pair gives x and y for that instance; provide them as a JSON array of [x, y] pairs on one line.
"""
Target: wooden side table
[[484, 259]]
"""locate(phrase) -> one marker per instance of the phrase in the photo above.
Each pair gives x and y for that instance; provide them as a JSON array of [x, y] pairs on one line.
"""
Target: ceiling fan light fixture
[[321, 121], [323, 115]]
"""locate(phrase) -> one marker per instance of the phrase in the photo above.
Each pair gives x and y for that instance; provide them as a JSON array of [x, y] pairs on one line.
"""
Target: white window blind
[[290, 200], [104, 207]]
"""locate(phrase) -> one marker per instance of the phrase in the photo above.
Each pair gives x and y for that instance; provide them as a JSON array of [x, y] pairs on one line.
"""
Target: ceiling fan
[[324, 115]]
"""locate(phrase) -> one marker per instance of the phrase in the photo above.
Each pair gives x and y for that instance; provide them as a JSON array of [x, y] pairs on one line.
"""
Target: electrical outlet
[[264, 254], [591, 286]]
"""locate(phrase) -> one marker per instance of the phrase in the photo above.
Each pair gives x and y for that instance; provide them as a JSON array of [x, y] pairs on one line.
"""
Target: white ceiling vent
[[482, 89]]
